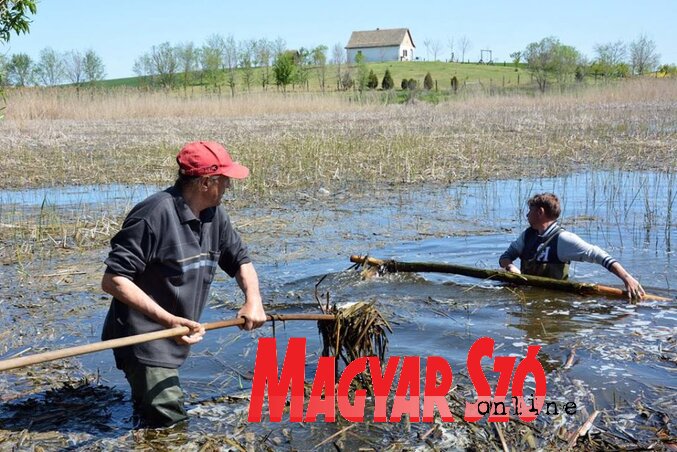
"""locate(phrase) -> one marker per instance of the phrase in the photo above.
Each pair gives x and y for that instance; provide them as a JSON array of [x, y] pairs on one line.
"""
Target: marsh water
[[622, 357]]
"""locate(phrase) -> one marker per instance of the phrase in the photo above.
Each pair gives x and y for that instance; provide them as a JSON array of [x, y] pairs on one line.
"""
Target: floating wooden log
[[499, 275]]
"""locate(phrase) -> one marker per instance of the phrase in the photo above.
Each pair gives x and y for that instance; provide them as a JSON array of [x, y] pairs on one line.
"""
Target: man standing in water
[[159, 272], [545, 249]]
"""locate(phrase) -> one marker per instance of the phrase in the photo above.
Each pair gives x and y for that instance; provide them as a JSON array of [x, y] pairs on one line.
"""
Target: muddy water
[[624, 355]]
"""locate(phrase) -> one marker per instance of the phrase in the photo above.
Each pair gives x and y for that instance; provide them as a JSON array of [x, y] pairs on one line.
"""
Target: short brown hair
[[549, 202]]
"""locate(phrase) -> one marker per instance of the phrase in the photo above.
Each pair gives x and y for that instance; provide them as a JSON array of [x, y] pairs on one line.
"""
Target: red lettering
[[436, 395], [410, 382], [355, 412], [382, 383], [482, 347], [265, 373], [324, 382]]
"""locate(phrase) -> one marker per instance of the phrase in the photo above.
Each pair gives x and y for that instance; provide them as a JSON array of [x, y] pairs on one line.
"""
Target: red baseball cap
[[208, 158]]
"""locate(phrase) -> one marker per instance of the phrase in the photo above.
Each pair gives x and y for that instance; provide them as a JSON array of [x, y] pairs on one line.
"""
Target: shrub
[[404, 84], [387, 82], [411, 84], [428, 82], [372, 80]]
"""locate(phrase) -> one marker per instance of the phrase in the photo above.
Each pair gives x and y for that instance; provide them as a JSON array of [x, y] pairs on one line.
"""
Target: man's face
[[216, 188], [535, 215]]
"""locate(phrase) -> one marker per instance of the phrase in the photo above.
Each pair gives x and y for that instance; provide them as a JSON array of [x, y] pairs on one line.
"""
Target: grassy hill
[[487, 75]]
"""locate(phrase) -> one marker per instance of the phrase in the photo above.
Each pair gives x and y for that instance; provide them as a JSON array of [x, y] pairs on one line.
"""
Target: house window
[[404, 53]]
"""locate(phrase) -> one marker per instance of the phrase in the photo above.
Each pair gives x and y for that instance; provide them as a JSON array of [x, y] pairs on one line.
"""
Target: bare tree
[[247, 58], [338, 55], [278, 47], [230, 55], [74, 67], [465, 45], [164, 63], [427, 43], [450, 45], [643, 56], [263, 56], [436, 47], [609, 57], [50, 67]]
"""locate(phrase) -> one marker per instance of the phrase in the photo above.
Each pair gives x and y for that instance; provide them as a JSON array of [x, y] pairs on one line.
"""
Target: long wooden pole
[[496, 275], [38, 358]]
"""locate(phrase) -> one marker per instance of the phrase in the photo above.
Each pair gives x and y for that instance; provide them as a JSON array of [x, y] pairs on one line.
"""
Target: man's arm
[[512, 253], [252, 310], [634, 288], [124, 290], [571, 247]]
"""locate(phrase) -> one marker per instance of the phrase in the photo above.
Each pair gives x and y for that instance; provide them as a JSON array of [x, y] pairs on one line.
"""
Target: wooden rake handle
[[15, 363]]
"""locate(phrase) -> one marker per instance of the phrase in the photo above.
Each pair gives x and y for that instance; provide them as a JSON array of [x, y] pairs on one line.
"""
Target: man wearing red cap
[[159, 271]]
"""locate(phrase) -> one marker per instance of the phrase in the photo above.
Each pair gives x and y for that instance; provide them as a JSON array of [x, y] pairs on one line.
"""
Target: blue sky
[[119, 31]]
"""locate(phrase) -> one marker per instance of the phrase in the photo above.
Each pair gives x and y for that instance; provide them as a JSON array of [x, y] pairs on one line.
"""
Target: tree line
[[224, 62], [52, 68], [550, 60]]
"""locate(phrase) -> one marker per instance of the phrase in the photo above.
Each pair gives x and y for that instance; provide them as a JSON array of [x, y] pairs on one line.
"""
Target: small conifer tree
[[387, 82], [404, 84], [372, 80], [428, 82]]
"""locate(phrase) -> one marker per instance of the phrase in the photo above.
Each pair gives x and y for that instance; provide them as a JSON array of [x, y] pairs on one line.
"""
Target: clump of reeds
[[359, 330]]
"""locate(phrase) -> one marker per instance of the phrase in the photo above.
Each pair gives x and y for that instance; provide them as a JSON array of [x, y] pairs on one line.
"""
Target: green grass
[[488, 75]]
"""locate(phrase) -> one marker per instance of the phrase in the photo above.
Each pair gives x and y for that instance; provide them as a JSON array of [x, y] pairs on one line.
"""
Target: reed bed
[[301, 141]]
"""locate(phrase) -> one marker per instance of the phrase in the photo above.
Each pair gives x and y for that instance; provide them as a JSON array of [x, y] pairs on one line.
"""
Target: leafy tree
[[565, 62], [372, 81], [387, 82], [50, 67], [284, 69], [211, 58], [643, 56], [187, 55], [320, 62], [362, 74], [14, 17], [516, 57], [95, 70], [428, 82], [20, 69], [548, 58], [302, 58]]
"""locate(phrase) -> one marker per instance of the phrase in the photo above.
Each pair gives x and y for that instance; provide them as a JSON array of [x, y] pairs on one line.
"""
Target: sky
[[120, 31]]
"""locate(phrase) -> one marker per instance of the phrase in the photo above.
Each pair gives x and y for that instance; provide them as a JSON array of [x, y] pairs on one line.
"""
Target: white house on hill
[[381, 45]]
